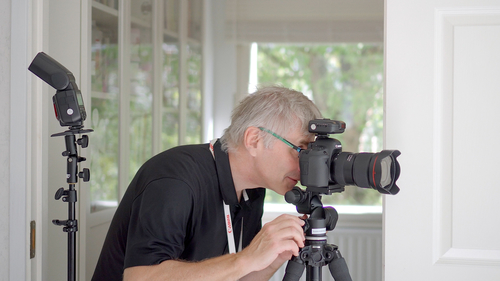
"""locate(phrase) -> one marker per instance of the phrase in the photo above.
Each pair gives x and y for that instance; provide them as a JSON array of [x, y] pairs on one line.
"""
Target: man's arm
[[227, 267], [270, 248], [268, 272]]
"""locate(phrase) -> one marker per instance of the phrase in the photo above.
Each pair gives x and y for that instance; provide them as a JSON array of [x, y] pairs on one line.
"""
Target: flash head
[[68, 101], [52, 72]]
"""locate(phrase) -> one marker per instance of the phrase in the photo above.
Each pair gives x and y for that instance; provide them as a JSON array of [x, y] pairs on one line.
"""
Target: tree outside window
[[346, 83]]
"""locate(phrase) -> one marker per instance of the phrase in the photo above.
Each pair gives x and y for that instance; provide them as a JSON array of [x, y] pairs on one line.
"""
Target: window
[[346, 83], [146, 88]]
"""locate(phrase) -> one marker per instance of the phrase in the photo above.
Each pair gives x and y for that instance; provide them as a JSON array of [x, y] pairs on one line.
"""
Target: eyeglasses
[[298, 149]]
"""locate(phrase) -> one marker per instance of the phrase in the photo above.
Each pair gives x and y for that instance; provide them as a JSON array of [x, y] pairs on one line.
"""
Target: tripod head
[[316, 252], [308, 202]]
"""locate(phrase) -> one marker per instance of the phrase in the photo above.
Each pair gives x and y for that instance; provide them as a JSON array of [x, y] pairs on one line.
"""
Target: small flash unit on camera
[[326, 126], [68, 101]]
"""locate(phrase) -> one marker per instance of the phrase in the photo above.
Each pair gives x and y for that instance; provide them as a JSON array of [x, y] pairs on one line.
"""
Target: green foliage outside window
[[104, 121], [194, 99], [170, 96], [346, 83]]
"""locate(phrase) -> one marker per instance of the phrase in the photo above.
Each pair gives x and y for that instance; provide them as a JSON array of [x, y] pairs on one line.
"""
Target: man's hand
[[277, 241]]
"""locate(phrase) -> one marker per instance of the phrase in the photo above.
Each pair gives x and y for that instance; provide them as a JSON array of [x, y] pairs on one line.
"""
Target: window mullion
[[124, 66], [183, 83], [157, 82]]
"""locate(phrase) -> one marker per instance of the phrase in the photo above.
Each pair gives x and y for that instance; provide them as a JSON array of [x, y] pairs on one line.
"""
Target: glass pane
[[105, 106], [104, 154], [194, 77], [141, 84], [108, 3], [346, 83], [195, 10], [171, 16], [170, 129], [193, 127], [194, 100], [170, 82]]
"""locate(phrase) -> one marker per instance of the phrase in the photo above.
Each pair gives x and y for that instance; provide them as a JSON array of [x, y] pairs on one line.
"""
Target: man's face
[[278, 166]]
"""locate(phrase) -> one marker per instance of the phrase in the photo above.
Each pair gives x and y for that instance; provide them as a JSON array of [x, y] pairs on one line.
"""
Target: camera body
[[325, 169]]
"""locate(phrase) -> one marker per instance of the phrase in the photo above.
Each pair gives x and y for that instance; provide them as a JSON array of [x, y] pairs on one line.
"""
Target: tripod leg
[[294, 270], [314, 273], [338, 268]]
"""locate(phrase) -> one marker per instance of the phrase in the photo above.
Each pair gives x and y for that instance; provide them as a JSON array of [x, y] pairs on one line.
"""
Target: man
[[194, 212]]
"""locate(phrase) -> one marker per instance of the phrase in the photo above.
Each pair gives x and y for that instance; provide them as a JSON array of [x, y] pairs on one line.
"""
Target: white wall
[[13, 149], [4, 137], [224, 70]]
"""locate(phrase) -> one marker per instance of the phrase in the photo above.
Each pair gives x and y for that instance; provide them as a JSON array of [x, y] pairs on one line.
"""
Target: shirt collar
[[226, 184]]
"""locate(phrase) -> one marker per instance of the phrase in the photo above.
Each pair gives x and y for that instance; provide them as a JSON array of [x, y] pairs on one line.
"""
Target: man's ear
[[251, 140]]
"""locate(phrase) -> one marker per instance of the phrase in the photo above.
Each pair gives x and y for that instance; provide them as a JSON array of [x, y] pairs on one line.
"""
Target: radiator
[[360, 242]]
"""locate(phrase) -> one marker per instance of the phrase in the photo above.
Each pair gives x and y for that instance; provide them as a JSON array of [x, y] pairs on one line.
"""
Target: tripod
[[316, 252], [70, 225]]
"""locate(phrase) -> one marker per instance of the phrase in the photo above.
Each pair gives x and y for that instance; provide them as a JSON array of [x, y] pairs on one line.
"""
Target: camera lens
[[370, 170]]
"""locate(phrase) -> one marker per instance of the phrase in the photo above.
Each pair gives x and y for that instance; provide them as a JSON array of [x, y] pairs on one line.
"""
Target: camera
[[325, 169], [68, 101]]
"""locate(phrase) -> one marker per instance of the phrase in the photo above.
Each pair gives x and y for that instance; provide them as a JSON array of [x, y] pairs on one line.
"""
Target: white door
[[442, 112]]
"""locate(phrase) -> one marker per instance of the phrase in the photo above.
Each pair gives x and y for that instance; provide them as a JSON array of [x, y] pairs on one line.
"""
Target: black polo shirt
[[173, 209]]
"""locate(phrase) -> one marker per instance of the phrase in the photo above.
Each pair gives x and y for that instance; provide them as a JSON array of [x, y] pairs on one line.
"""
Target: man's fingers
[[286, 227]]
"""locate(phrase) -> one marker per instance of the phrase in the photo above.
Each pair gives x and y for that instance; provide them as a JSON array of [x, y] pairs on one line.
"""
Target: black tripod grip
[[294, 270], [338, 269]]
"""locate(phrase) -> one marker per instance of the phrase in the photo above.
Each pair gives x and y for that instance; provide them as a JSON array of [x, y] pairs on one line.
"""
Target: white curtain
[[305, 21], [243, 71]]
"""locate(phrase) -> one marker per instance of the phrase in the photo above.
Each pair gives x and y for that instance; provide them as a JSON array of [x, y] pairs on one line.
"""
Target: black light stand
[[69, 111], [71, 224], [316, 252]]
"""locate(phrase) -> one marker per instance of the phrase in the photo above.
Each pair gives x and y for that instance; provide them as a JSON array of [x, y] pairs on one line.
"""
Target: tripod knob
[[316, 257], [85, 175], [295, 196], [59, 193], [83, 141]]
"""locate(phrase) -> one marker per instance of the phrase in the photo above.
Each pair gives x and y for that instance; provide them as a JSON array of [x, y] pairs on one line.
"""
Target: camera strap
[[227, 216]]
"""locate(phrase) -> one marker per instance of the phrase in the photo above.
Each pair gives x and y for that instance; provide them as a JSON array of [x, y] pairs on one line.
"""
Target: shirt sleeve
[[158, 223]]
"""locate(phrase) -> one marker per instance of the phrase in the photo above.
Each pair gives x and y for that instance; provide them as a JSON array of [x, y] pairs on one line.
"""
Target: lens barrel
[[369, 170]]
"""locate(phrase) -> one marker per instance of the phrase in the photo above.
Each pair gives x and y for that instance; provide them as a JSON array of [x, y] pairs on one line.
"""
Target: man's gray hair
[[275, 108]]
